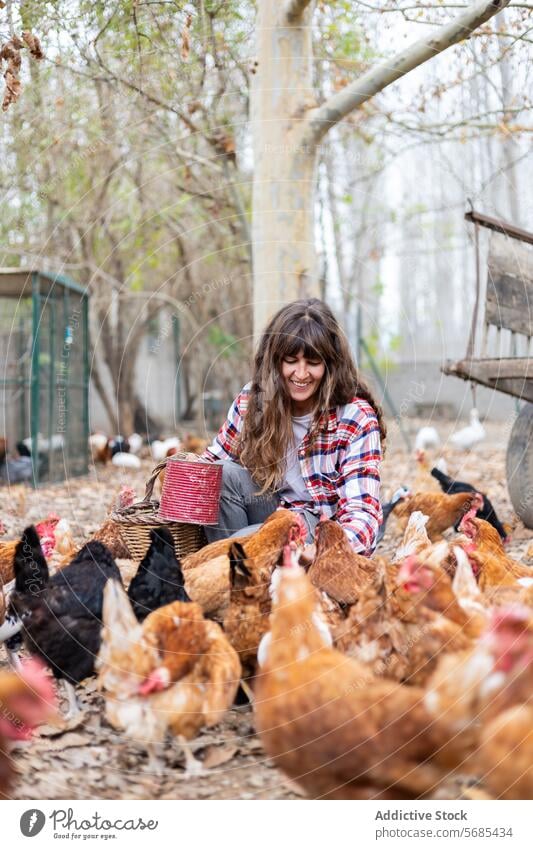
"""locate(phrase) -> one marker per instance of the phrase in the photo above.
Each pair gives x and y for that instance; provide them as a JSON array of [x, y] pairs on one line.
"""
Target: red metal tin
[[191, 492]]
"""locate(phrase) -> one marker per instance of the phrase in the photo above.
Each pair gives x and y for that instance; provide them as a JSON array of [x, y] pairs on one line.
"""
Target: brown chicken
[[46, 532], [110, 532], [486, 552], [504, 762], [176, 672], [469, 688], [424, 577], [504, 759], [337, 569], [99, 447], [248, 613], [423, 481], [329, 724], [444, 511], [194, 444], [247, 618], [207, 571], [27, 698], [394, 633]]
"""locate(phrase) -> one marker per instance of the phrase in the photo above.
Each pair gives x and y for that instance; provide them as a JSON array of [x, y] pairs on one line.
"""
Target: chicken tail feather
[[30, 566], [117, 611]]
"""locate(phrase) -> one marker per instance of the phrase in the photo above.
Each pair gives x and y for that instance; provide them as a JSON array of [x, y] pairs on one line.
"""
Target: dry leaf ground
[[95, 761]]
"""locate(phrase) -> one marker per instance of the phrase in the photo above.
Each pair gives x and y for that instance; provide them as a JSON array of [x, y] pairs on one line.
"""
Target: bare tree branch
[[354, 95], [294, 10]]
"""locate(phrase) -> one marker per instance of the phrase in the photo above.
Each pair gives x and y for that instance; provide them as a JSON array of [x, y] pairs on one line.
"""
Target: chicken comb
[[302, 527], [467, 520]]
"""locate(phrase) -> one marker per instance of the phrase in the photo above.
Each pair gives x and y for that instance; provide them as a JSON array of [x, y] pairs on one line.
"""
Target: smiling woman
[[305, 433]]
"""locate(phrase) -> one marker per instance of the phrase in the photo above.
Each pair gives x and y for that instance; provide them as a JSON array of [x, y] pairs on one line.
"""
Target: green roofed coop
[[44, 382]]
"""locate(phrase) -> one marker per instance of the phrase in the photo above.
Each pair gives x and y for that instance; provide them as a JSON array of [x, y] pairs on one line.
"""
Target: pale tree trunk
[[284, 258], [287, 129]]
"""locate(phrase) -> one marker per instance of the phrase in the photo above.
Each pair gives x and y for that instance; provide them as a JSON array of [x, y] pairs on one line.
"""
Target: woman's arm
[[359, 507], [225, 443]]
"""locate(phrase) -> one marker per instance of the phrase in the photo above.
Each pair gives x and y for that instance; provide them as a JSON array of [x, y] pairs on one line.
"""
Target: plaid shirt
[[340, 469]]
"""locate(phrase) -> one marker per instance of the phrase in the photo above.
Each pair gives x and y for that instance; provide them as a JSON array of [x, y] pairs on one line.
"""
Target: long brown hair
[[309, 326]]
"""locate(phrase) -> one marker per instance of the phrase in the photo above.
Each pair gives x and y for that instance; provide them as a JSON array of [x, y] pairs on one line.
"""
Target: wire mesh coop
[[44, 381]]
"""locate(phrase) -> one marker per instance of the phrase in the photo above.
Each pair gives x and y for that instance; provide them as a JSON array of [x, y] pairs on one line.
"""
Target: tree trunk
[[284, 258], [288, 127]]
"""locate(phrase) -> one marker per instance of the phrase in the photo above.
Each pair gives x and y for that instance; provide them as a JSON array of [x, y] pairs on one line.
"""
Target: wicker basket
[[137, 521]]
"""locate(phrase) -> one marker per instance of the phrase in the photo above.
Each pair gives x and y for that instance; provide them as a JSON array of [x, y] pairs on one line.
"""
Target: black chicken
[[487, 512], [159, 579], [61, 616]]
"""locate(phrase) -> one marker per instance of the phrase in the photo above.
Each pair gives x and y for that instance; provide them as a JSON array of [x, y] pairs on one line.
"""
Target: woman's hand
[[307, 555]]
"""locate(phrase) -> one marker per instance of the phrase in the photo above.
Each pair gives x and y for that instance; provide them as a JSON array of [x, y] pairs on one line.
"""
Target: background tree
[[149, 152]]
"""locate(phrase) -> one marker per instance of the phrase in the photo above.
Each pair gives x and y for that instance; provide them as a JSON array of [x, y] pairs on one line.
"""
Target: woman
[[305, 433]]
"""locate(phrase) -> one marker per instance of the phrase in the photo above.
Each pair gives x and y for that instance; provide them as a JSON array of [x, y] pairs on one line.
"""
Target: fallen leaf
[[218, 755]]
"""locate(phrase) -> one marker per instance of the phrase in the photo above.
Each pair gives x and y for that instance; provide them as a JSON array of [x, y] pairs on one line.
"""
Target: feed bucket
[[191, 492]]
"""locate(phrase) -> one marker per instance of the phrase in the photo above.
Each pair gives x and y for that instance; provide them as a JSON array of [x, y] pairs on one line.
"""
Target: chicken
[[61, 616], [467, 437], [423, 481], [160, 448], [9, 624], [426, 578], [135, 441], [247, 618], [194, 444], [125, 460], [159, 579], [328, 723], [466, 686], [427, 438], [486, 552], [415, 539], [176, 672], [394, 633], [248, 613], [444, 511], [110, 532], [99, 447], [27, 698], [46, 532], [387, 508], [64, 541], [207, 571], [486, 511], [337, 569], [504, 758]]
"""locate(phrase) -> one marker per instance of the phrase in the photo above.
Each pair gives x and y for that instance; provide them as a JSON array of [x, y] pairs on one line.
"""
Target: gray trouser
[[242, 509]]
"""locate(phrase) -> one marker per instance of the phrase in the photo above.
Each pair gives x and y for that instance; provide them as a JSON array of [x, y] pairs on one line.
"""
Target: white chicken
[[161, 447], [135, 443], [467, 437], [426, 439], [126, 461]]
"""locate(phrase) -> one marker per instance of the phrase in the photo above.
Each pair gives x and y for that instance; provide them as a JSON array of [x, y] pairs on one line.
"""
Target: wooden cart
[[508, 324]]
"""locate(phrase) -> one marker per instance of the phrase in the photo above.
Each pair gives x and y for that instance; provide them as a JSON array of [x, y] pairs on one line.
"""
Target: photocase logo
[[32, 822]]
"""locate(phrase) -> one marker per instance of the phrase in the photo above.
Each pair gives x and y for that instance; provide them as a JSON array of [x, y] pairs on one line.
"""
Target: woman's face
[[302, 378]]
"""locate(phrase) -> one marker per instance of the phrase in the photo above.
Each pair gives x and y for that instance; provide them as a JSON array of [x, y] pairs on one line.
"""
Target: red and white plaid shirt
[[340, 469]]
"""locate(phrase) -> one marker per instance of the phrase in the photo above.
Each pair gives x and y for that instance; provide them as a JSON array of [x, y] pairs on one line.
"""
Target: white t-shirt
[[293, 487]]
